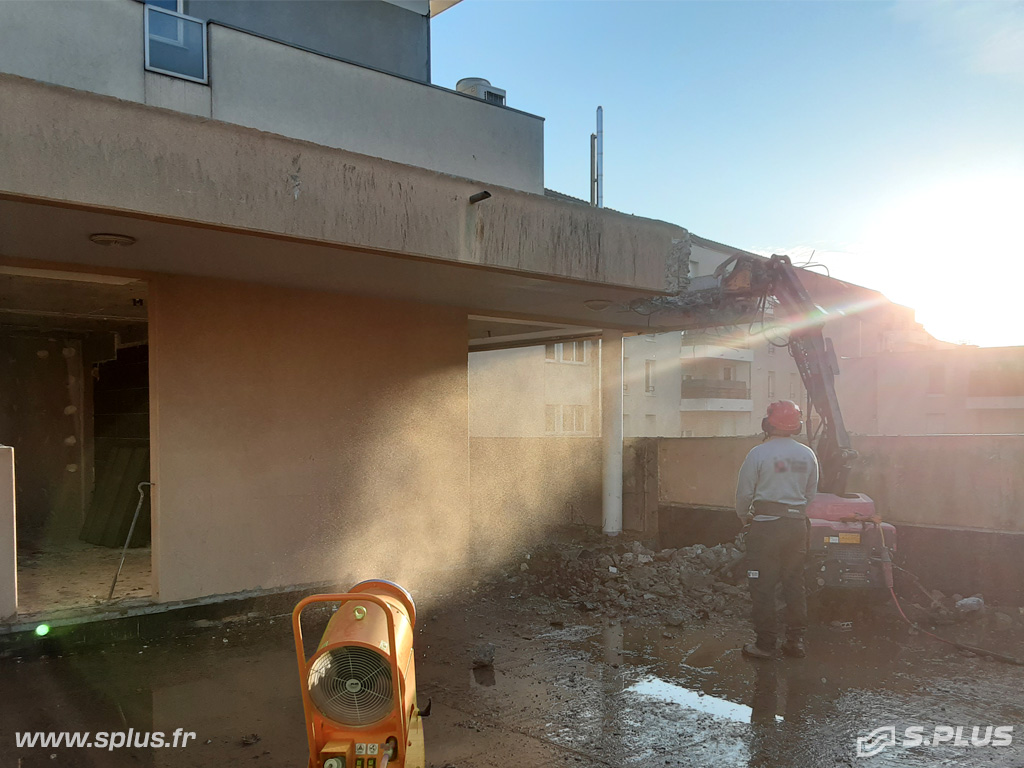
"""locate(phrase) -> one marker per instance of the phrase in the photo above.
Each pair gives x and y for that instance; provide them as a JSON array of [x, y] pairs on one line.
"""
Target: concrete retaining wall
[[968, 481]]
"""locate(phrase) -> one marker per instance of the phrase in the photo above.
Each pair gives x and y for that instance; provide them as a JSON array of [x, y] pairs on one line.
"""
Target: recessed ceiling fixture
[[597, 305], [106, 238], [479, 197]]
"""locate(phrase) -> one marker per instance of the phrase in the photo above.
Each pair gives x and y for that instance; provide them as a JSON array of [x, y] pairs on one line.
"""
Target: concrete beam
[[80, 149]]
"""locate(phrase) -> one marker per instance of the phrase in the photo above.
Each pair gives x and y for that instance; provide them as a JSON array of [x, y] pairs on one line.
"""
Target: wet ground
[[568, 688]]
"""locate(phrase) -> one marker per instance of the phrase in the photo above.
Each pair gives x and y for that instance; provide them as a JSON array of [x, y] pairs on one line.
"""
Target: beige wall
[[894, 394], [524, 485], [298, 436], [285, 90], [97, 46], [510, 390], [970, 481], [8, 537]]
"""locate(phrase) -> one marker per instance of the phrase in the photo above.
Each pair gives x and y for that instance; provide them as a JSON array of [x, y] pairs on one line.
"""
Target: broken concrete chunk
[[483, 655]]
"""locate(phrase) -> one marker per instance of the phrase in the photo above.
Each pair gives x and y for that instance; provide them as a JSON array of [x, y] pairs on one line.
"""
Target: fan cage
[[351, 685]]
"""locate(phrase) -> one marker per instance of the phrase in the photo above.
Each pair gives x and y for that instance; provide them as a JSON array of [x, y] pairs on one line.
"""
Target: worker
[[777, 478]]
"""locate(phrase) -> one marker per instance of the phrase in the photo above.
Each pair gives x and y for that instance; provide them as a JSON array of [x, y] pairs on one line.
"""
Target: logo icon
[[876, 741]]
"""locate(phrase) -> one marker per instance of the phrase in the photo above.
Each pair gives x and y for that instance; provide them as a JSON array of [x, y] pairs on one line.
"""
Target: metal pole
[[127, 541], [593, 169], [611, 431], [600, 157]]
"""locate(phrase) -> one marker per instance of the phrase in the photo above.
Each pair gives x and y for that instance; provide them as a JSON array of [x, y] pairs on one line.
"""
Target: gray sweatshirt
[[781, 470]]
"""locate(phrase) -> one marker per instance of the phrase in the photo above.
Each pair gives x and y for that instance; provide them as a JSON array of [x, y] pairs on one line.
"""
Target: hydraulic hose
[[887, 567]]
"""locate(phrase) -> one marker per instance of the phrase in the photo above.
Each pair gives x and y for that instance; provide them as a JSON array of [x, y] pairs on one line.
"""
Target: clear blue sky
[[854, 128]]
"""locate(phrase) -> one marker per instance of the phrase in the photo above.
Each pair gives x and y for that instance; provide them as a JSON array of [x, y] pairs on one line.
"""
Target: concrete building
[[960, 390], [245, 248]]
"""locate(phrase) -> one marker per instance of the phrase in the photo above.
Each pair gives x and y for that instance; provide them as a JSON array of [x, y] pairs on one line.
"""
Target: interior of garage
[[74, 404]]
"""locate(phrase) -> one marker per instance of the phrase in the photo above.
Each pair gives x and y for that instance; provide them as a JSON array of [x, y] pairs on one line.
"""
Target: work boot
[[755, 651], [794, 646]]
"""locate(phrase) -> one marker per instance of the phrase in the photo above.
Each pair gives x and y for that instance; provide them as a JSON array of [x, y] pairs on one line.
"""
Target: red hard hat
[[785, 416]]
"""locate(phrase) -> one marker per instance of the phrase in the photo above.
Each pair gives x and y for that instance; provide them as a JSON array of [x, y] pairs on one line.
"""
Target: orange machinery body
[[377, 616]]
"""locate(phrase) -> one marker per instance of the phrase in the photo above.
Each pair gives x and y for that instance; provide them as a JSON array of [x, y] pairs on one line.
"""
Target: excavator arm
[[754, 278]]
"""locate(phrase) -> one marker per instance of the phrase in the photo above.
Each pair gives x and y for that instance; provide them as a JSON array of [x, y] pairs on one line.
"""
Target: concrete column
[[611, 431], [8, 537]]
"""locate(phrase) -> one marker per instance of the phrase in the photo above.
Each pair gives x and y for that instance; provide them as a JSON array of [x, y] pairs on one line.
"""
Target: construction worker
[[777, 478]]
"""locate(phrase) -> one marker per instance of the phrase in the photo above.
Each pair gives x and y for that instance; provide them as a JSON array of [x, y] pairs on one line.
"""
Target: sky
[[883, 139]]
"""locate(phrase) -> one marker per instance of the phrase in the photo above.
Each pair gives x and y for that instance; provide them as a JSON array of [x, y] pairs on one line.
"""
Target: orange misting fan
[[359, 687]]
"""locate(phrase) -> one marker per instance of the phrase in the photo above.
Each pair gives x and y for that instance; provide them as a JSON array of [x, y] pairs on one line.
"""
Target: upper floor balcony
[[715, 395], [158, 57]]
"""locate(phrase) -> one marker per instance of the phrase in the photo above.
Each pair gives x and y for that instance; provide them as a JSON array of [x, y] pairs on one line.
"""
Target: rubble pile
[[625, 579]]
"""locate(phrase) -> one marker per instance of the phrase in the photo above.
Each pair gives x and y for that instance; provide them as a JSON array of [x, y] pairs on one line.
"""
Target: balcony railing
[[176, 45], [694, 389]]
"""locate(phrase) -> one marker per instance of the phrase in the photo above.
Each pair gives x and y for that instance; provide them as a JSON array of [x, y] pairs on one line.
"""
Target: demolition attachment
[[359, 687]]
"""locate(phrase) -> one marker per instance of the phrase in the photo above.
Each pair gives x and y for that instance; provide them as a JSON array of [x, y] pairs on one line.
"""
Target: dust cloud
[[437, 510]]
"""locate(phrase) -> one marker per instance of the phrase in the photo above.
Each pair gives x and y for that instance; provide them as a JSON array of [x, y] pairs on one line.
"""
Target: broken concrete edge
[[141, 620]]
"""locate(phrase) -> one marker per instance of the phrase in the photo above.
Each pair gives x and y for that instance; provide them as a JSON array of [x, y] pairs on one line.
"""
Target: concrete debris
[[971, 605], [619, 578], [483, 655]]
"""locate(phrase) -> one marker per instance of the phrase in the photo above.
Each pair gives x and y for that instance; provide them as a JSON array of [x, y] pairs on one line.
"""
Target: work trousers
[[776, 554]]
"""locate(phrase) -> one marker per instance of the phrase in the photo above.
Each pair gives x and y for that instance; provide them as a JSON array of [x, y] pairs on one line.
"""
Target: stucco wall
[[369, 32], [970, 481], [298, 436]]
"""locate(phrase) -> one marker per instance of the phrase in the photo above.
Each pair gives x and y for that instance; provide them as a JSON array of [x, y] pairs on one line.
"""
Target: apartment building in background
[[894, 379]]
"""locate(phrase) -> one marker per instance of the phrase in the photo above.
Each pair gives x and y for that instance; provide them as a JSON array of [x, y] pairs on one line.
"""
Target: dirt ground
[[574, 683]]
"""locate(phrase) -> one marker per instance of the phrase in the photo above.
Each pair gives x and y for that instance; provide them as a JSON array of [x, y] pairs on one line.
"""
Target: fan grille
[[351, 685]]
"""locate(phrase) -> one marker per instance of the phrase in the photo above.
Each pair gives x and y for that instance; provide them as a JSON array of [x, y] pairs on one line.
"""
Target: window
[[565, 419], [771, 384], [771, 348], [650, 425], [694, 268], [175, 44], [649, 376], [936, 380], [551, 413], [566, 352], [794, 387], [729, 373]]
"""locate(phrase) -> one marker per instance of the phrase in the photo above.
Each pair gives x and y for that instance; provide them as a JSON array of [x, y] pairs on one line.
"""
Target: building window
[[694, 268], [794, 389], [729, 373], [566, 352], [771, 348], [650, 425], [551, 413], [175, 44], [936, 380], [565, 419], [649, 376], [771, 384]]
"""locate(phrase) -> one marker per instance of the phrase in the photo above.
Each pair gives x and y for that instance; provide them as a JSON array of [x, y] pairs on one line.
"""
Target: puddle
[[661, 690]]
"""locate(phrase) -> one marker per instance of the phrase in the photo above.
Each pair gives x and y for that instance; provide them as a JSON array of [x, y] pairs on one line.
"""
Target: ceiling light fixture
[[105, 238]]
